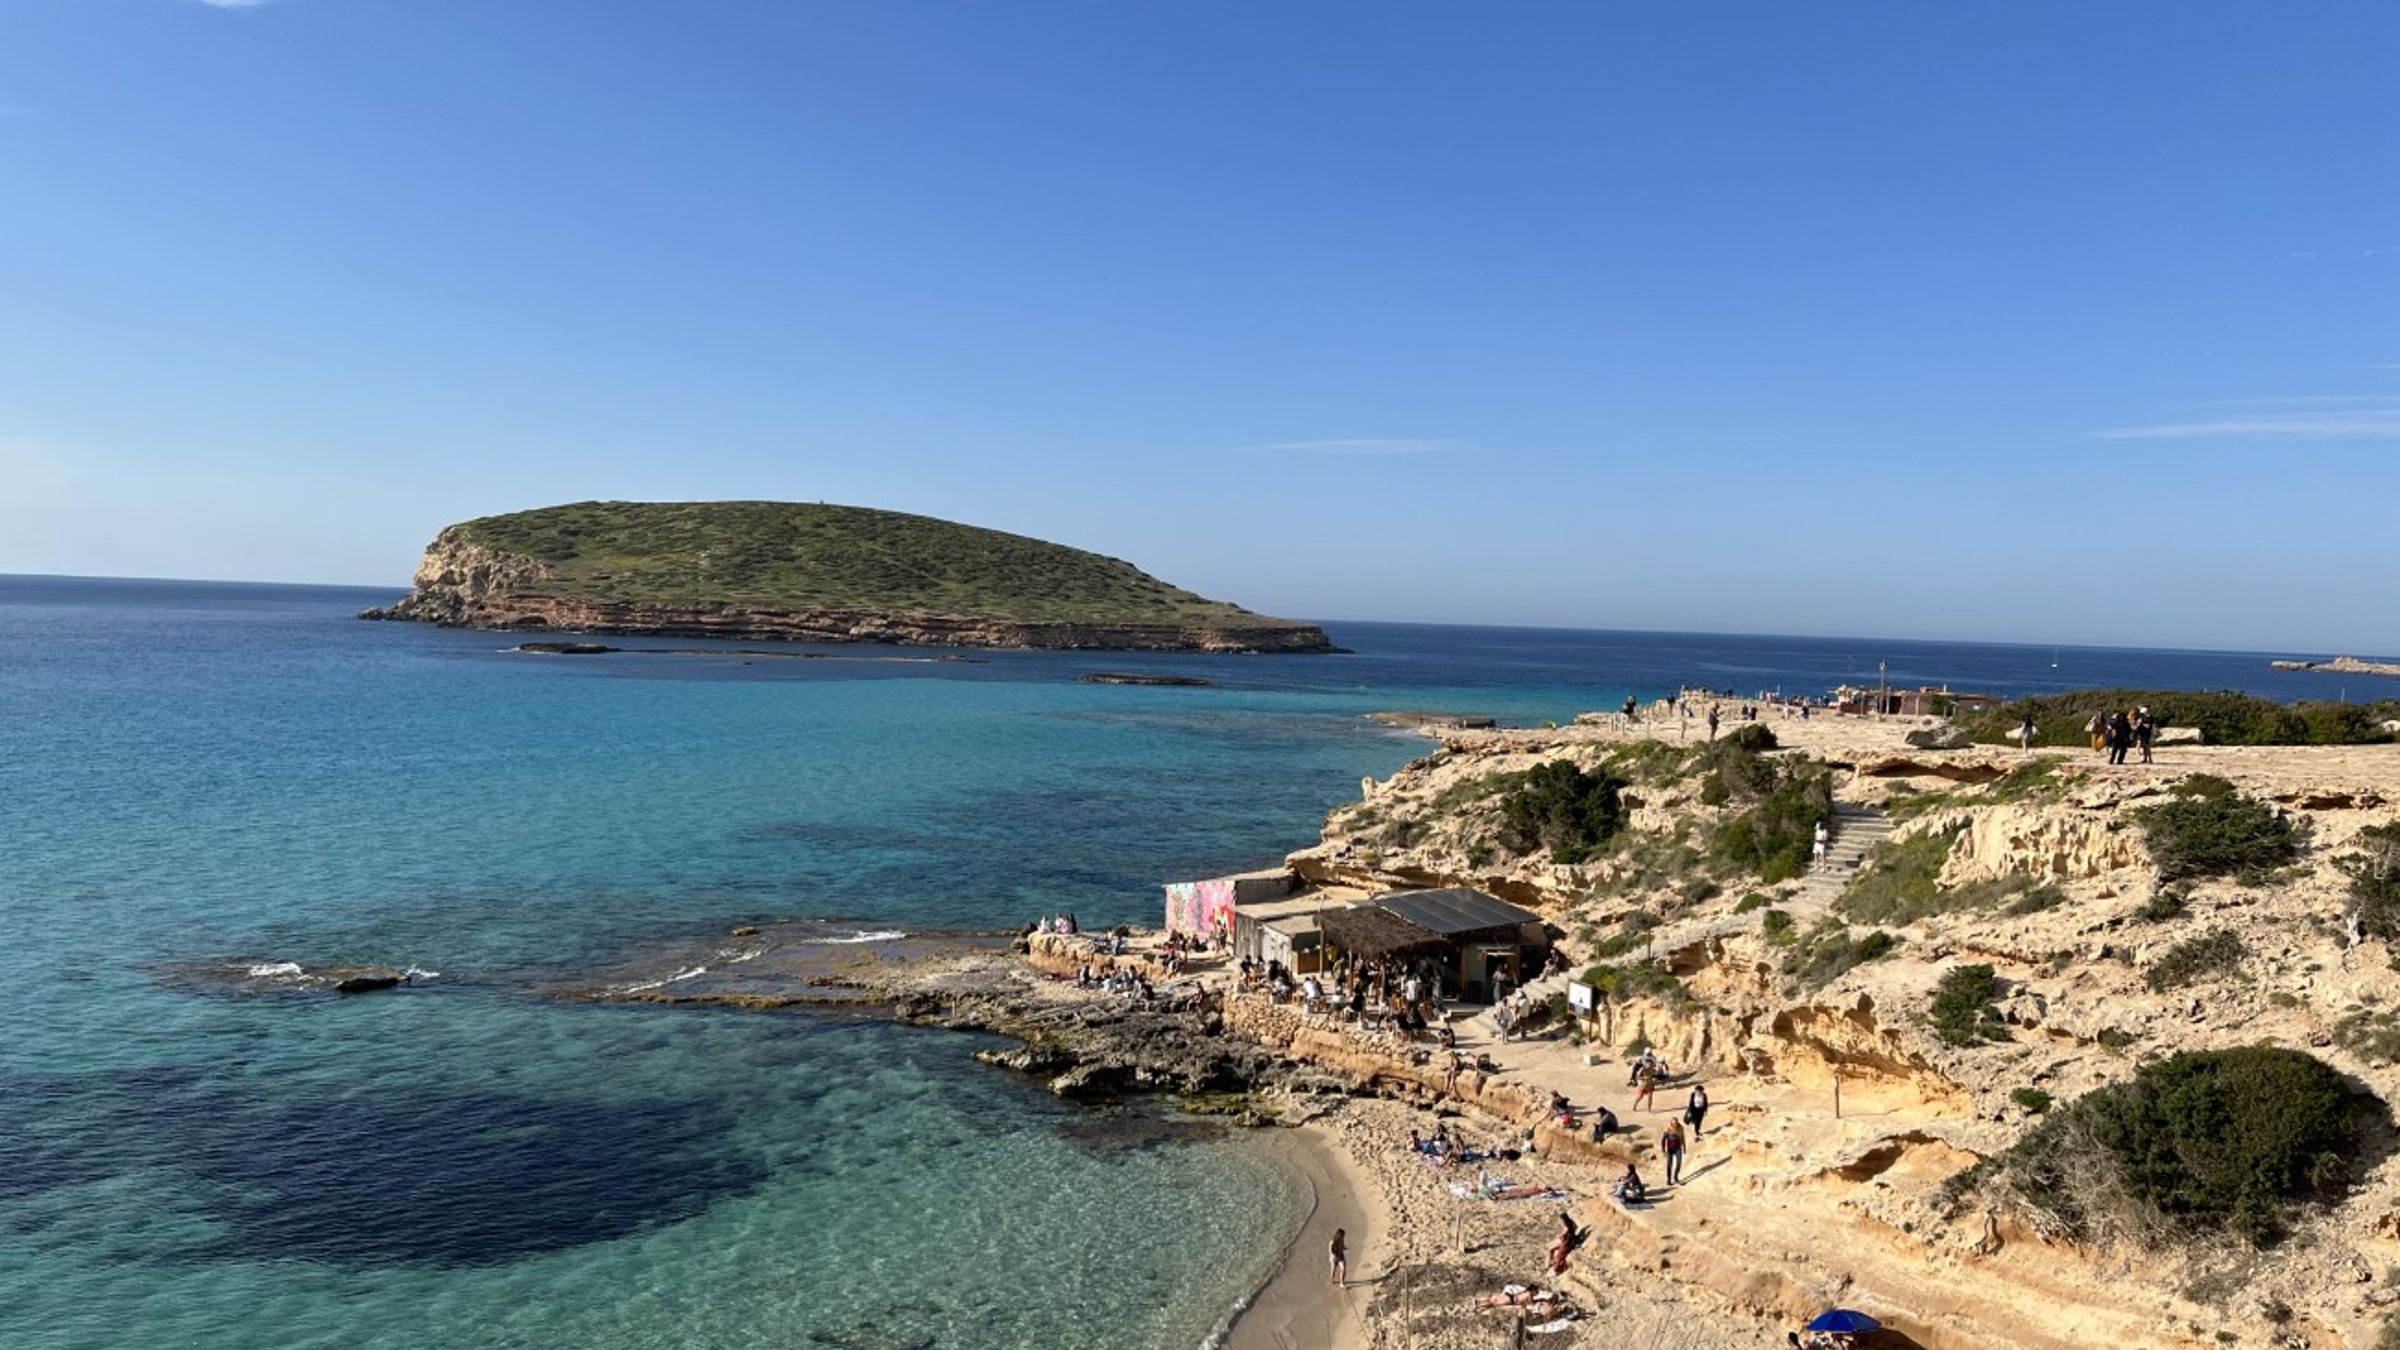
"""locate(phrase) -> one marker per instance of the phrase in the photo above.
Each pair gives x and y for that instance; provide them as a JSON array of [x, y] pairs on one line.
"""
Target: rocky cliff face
[[463, 584]]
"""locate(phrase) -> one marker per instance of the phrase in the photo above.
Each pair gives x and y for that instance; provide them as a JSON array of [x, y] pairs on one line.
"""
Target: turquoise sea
[[198, 778]]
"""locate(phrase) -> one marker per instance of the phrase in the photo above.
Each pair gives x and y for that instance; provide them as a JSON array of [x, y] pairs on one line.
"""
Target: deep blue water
[[220, 773]]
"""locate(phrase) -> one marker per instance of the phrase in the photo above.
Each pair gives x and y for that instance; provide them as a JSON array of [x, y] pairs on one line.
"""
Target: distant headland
[[809, 572], [2343, 665]]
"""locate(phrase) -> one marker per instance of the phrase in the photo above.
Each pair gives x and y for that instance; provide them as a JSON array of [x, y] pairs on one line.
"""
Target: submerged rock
[[362, 979]]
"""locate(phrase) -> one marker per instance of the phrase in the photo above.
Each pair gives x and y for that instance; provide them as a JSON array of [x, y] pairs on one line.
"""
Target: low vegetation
[[2197, 1144], [1633, 931], [1901, 883], [1570, 812], [2371, 1035], [2375, 879], [2212, 829], [1651, 761], [1635, 979], [2222, 718], [1830, 950], [2169, 903], [2210, 954]]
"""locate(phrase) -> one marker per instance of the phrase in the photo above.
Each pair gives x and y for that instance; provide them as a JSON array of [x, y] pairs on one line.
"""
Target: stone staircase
[[1856, 832]]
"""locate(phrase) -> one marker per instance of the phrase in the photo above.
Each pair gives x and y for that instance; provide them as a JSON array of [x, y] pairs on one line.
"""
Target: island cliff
[[811, 573]]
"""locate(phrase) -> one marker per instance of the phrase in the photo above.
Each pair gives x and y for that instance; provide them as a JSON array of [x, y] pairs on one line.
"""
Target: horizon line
[[2360, 653]]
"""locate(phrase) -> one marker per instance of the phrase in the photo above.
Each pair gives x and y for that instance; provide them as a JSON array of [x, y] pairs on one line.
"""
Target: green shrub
[[2210, 830], [2031, 1098], [1829, 951], [1772, 838], [1751, 738], [2375, 879], [1754, 900], [2207, 1141], [1478, 854], [1564, 809], [1776, 926], [1701, 888], [2217, 953], [2222, 718], [1963, 1011]]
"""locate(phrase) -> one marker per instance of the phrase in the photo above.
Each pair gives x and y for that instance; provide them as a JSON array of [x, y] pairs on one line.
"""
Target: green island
[[811, 572]]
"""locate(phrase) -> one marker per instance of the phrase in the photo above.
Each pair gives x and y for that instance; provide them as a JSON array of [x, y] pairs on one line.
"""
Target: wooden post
[[1837, 1096]]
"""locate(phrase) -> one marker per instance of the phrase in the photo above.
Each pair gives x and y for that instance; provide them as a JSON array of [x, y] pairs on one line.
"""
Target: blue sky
[[2052, 322]]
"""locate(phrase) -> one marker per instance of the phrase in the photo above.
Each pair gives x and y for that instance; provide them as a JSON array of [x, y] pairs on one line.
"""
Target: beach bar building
[[1286, 928], [1462, 936]]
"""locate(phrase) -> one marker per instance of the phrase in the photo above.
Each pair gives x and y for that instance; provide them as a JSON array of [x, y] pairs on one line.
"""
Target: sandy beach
[[1300, 1307]]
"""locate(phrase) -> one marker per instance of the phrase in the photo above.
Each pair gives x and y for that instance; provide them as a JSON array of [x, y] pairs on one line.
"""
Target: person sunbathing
[[1522, 1296]]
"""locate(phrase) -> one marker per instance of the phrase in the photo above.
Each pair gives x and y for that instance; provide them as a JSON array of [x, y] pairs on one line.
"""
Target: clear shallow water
[[194, 771]]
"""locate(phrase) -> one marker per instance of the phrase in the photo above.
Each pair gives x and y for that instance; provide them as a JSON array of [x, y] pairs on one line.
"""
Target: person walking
[[2145, 730], [1645, 1086], [1816, 852], [1695, 1109], [1713, 714], [1670, 1146], [2025, 734], [1632, 709], [2097, 729], [1339, 1252]]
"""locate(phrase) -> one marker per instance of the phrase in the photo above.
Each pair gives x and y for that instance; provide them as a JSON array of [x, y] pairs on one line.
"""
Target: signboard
[[1582, 997]]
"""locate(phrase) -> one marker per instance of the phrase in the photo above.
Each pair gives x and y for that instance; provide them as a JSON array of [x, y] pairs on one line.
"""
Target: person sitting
[[1570, 1237], [1603, 1124], [1629, 1189]]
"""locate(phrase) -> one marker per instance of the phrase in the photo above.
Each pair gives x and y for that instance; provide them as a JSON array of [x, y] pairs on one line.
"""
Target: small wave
[[736, 958], [274, 969], [417, 973], [647, 985], [1217, 1334], [862, 935]]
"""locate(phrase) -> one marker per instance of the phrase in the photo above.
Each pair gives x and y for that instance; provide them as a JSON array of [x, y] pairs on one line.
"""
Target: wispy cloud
[[2356, 417], [2314, 401], [1370, 445]]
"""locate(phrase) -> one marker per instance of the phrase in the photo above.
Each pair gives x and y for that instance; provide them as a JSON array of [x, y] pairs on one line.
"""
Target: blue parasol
[[1842, 1319]]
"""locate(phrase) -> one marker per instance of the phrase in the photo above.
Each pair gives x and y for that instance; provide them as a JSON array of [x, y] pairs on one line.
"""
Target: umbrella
[[1842, 1319]]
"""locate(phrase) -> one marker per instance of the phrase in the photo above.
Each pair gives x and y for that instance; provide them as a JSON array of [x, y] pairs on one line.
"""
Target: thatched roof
[[1376, 934]]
